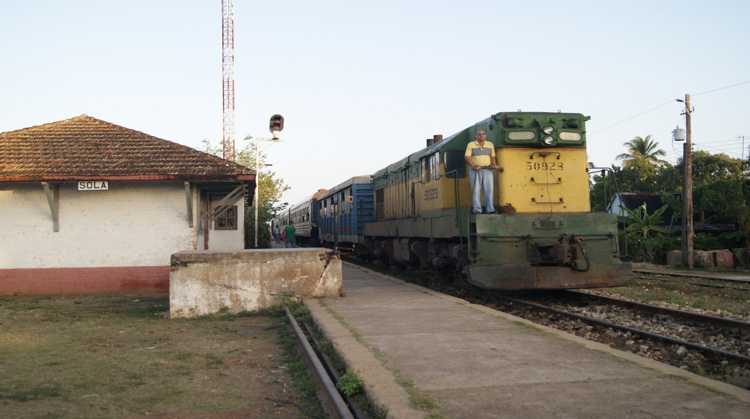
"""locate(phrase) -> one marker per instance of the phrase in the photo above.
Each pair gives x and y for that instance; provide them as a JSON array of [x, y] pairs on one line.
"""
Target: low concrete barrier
[[208, 282]]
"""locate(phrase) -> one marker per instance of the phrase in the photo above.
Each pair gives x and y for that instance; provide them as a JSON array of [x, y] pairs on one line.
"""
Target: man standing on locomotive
[[480, 156]]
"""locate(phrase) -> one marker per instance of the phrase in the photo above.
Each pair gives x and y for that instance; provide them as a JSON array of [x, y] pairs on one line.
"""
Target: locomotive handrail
[[559, 181], [558, 202]]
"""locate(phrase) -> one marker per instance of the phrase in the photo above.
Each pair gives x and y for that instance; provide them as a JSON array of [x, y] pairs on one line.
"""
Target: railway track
[[717, 278], [334, 403], [715, 337]]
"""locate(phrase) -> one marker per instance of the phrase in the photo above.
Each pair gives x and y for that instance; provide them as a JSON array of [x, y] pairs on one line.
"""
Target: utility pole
[[687, 188], [742, 137]]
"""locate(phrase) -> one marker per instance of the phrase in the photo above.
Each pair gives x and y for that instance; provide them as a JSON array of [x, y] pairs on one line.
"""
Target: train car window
[[455, 165], [425, 170]]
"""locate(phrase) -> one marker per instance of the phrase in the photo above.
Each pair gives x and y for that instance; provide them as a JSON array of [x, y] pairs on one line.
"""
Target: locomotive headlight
[[548, 140], [574, 137], [548, 131]]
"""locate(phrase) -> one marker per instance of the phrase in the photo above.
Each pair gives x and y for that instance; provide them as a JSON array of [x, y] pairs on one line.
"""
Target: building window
[[227, 220]]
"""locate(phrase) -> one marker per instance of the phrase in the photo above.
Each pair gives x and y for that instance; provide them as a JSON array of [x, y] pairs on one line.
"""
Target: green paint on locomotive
[[545, 251]]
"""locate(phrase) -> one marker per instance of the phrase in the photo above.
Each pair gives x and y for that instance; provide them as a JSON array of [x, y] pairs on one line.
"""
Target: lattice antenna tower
[[227, 79]]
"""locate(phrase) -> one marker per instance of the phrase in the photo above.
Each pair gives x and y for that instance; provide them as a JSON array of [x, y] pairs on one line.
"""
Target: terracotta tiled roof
[[88, 148]]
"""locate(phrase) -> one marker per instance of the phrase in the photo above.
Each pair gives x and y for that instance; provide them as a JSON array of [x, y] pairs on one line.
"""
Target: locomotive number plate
[[544, 166]]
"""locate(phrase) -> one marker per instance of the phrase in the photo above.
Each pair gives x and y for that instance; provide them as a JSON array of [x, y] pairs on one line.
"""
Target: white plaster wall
[[229, 240], [131, 224]]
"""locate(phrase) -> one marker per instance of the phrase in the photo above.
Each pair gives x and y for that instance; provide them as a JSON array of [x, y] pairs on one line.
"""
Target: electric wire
[[718, 89], [667, 102]]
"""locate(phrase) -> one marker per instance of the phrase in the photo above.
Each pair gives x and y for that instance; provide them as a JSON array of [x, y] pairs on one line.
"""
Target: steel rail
[[333, 403], [703, 318], [698, 275], [328, 365], [650, 335]]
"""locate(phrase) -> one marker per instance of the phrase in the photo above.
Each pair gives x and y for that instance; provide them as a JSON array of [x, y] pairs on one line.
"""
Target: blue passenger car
[[344, 211]]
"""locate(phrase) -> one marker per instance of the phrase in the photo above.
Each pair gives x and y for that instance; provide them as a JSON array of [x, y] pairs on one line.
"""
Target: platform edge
[[380, 382], [713, 385]]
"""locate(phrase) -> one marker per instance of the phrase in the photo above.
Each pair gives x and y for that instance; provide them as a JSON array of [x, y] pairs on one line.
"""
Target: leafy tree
[[709, 167], [644, 229], [721, 193], [626, 179], [271, 188], [643, 153]]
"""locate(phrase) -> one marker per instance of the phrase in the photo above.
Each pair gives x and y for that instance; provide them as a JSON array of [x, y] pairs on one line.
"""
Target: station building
[[89, 206]]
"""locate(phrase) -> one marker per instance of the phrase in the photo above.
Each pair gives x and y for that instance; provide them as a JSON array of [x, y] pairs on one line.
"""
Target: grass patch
[[297, 369], [114, 356], [27, 394], [689, 292]]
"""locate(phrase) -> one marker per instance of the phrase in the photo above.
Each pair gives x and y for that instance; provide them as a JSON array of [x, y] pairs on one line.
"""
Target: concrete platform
[[421, 353]]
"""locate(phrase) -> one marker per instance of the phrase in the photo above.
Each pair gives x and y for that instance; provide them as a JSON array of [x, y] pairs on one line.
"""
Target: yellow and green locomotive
[[544, 235]]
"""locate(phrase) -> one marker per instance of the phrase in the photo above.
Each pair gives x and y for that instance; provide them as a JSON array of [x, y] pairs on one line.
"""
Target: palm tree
[[644, 150]]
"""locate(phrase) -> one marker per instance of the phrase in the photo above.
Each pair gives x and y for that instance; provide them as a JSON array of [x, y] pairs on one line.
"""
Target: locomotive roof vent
[[437, 138]]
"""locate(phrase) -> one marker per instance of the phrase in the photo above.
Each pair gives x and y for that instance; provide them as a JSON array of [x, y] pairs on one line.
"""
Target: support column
[[53, 200], [189, 203]]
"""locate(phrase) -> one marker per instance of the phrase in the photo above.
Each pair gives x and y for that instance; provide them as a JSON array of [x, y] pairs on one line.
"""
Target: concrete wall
[[208, 282]]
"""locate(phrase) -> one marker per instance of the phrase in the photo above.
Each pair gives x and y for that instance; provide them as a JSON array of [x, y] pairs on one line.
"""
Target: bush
[[661, 245], [350, 384], [711, 241]]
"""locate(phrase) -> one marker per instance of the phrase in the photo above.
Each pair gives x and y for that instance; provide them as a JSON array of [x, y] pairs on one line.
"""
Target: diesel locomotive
[[544, 235]]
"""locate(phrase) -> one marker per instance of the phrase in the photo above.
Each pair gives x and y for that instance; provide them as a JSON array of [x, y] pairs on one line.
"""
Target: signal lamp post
[[276, 125]]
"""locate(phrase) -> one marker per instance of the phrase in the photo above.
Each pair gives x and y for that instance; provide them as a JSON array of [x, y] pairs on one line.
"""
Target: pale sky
[[363, 86]]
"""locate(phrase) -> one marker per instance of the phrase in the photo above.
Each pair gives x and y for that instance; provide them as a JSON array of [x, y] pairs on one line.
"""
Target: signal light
[[276, 125]]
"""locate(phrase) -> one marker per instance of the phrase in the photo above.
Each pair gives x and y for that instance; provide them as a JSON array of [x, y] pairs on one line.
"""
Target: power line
[[718, 89], [666, 102], [738, 147], [718, 144], [634, 116]]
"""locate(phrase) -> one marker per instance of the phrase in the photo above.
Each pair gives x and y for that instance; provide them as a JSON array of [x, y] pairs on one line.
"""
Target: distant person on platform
[[290, 232], [480, 156], [276, 232]]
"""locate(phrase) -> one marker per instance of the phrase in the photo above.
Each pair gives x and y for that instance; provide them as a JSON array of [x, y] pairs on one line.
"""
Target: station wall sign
[[93, 185]]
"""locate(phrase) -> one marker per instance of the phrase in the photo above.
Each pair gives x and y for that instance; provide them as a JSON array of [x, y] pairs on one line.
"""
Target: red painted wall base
[[126, 279]]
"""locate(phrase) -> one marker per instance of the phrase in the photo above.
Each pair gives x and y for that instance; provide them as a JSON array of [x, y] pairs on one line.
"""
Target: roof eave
[[131, 178]]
